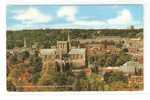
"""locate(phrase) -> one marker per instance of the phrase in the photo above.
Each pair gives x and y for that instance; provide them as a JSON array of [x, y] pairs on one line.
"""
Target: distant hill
[[48, 37]]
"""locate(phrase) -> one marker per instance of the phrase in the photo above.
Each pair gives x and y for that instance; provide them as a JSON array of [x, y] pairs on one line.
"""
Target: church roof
[[61, 41], [77, 51], [47, 51], [132, 64]]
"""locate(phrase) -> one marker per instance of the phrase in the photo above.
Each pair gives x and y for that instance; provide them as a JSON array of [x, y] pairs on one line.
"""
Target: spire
[[78, 44], [69, 41], [25, 43], [68, 36]]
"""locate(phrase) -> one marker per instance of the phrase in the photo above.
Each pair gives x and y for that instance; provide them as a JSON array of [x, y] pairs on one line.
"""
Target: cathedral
[[65, 56]]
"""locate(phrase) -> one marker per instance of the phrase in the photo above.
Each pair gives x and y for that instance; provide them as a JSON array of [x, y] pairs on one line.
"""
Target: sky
[[76, 17]]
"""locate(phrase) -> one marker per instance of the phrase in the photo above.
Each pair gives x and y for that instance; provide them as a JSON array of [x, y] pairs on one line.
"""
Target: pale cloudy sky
[[87, 17]]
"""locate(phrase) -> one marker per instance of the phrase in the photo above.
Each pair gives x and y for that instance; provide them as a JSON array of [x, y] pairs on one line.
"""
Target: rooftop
[[61, 41], [77, 51], [47, 51]]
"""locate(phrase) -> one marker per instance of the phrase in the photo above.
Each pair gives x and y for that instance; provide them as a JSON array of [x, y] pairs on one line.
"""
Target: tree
[[81, 83], [10, 86], [25, 54], [122, 58], [22, 56], [109, 61], [13, 59], [118, 86], [110, 77], [36, 67]]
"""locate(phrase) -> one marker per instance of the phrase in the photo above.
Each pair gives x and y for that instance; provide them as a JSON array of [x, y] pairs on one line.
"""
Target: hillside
[[48, 37]]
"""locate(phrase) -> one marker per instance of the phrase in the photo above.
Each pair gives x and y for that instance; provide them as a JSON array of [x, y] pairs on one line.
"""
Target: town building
[[131, 67]]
